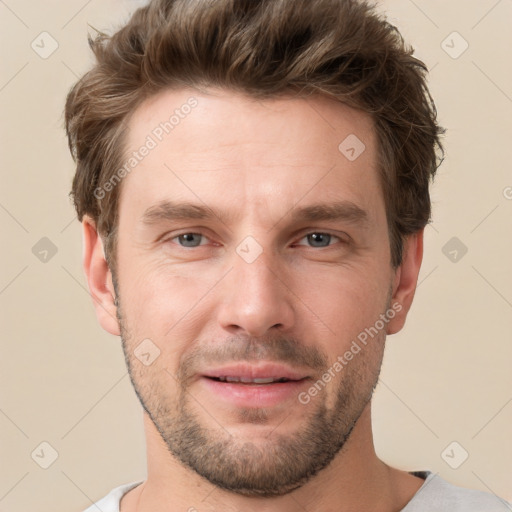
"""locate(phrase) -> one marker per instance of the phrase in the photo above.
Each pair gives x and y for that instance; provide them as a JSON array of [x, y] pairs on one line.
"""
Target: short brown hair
[[342, 49]]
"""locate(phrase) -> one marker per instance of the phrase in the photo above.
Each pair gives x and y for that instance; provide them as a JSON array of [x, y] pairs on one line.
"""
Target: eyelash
[[332, 235]]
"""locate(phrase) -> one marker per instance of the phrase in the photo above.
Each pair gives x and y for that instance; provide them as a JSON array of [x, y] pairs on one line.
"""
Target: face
[[253, 255]]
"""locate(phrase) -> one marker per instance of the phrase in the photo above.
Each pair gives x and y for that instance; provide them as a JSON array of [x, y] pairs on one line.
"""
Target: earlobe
[[406, 279], [99, 277]]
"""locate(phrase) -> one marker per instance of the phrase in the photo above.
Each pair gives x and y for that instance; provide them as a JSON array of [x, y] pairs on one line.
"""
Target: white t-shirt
[[435, 495]]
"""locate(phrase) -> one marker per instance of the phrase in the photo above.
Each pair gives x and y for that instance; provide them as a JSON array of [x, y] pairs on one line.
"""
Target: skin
[[298, 301]]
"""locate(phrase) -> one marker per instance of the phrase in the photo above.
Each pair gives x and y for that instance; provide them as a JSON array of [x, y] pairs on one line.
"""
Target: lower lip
[[255, 395]]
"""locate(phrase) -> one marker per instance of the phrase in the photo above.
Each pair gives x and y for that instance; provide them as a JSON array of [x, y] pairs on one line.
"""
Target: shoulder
[[438, 495], [110, 503]]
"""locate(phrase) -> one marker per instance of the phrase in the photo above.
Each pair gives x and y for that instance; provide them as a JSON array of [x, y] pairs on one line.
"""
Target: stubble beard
[[273, 467]]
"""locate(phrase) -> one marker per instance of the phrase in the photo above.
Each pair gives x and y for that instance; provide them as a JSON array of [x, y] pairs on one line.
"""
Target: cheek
[[159, 301], [343, 302]]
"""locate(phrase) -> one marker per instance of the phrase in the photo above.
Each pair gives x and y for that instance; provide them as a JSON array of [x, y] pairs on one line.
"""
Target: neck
[[355, 479]]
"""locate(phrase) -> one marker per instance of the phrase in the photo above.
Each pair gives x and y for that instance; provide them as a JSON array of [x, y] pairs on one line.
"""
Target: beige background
[[445, 378]]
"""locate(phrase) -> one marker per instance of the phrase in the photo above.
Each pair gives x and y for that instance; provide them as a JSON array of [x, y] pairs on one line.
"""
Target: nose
[[256, 298]]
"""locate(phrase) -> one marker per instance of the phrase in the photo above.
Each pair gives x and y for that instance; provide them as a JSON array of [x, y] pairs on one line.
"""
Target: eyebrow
[[334, 211]]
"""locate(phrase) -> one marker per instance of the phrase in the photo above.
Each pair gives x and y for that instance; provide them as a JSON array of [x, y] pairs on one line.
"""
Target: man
[[253, 183]]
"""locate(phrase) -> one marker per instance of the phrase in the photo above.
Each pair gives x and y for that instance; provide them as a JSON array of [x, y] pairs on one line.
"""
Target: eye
[[319, 239], [189, 239], [316, 239]]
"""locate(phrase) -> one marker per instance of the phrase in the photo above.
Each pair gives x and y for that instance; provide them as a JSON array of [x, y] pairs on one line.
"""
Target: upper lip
[[260, 371]]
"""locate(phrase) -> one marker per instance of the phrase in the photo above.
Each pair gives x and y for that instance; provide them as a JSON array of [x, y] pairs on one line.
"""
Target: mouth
[[244, 385], [248, 380]]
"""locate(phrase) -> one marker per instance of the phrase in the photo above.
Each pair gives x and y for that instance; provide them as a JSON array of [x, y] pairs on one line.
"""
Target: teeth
[[263, 381], [247, 380]]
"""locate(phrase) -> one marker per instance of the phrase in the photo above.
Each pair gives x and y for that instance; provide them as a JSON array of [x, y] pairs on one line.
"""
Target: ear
[[406, 278], [99, 277]]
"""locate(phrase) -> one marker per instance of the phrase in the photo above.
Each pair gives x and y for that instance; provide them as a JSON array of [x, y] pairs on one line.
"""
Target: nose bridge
[[256, 299]]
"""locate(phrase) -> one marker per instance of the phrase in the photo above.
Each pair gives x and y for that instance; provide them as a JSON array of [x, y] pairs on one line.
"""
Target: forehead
[[176, 114], [218, 146]]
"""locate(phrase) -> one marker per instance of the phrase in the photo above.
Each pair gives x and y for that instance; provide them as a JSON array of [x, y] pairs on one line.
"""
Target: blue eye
[[189, 240], [318, 239]]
